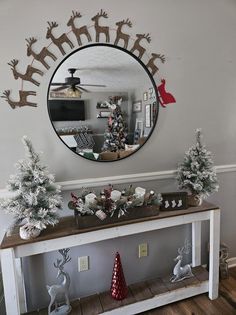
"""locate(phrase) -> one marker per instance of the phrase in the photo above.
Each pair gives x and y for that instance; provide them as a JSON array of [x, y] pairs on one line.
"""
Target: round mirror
[[102, 102]]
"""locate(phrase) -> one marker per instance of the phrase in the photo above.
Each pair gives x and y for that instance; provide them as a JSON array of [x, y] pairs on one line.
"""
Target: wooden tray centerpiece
[[113, 207]]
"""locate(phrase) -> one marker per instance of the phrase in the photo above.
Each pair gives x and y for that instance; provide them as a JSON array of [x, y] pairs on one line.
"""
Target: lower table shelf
[[142, 296]]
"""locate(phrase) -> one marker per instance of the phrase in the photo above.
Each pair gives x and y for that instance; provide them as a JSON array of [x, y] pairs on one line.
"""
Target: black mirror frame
[[144, 67]]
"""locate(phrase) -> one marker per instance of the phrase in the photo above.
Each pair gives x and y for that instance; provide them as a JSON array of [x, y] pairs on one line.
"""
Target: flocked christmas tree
[[115, 134], [196, 173], [35, 196]]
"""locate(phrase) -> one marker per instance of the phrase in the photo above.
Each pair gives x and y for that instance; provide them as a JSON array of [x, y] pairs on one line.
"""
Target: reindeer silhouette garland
[[28, 74], [83, 30], [137, 47], [120, 34], [60, 40], [23, 99], [39, 56], [151, 65], [63, 39], [101, 29]]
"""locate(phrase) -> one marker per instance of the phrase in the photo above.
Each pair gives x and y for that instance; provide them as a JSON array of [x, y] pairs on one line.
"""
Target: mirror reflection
[[102, 103]]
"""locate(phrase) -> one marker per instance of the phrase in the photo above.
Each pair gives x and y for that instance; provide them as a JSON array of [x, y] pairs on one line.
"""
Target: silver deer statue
[[61, 289], [180, 273]]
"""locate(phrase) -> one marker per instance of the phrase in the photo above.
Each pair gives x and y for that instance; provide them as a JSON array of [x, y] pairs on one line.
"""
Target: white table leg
[[214, 254], [21, 285], [196, 243], [10, 281]]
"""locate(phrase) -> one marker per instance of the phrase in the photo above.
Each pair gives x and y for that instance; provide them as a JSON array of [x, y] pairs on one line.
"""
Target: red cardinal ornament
[[165, 97], [119, 289]]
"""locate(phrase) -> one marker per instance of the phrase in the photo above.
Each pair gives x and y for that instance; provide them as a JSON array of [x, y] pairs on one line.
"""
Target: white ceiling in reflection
[[105, 65]]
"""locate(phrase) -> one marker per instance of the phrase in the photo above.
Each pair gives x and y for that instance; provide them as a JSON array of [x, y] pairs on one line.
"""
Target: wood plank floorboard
[[76, 308], [201, 305], [165, 310], [230, 285], [207, 306], [190, 307], [198, 305]]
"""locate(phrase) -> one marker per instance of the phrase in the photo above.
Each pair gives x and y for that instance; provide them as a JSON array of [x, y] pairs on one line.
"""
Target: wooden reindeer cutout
[[101, 29], [120, 34], [28, 74], [181, 273], [141, 50], [151, 65], [83, 30], [60, 289], [39, 56], [23, 99], [60, 40]]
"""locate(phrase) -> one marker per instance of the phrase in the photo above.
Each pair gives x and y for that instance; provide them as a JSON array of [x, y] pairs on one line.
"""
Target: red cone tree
[[119, 289]]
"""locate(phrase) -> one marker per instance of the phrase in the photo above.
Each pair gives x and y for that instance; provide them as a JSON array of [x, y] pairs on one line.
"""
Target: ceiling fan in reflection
[[72, 85]]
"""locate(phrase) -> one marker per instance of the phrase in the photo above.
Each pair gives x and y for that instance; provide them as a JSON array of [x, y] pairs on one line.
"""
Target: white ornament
[[29, 231], [113, 106], [115, 195], [90, 199]]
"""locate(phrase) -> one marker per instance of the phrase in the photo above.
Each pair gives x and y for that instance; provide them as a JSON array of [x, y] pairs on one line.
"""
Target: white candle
[[140, 192], [115, 195]]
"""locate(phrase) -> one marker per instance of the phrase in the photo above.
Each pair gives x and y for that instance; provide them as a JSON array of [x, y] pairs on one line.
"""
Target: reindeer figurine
[[141, 50], [101, 29], [60, 289], [120, 34], [181, 273], [39, 56], [28, 74], [60, 40], [83, 30]]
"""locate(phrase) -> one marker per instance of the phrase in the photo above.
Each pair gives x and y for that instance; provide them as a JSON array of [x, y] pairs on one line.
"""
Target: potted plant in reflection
[[196, 173], [35, 198]]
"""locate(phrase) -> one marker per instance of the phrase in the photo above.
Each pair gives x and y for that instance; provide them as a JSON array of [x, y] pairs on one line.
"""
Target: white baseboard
[[231, 262]]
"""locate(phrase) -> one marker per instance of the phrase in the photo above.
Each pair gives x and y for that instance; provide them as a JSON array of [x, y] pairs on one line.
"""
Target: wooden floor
[[199, 305]]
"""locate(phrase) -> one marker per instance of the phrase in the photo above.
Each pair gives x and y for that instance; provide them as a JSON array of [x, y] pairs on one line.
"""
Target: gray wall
[[198, 39]]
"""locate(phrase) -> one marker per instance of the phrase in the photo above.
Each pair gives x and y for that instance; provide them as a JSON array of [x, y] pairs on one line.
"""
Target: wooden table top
[[67, 225]]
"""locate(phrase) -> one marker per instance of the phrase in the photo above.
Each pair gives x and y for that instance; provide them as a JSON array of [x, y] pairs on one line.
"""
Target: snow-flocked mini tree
[[35, 196], [196, 173], [115, 134]]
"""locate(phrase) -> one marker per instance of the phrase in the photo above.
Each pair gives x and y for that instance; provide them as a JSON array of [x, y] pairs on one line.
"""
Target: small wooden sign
[[174, 201]]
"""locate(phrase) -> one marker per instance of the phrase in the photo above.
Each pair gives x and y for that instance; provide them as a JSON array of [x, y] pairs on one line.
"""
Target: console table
[[155, 293]]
